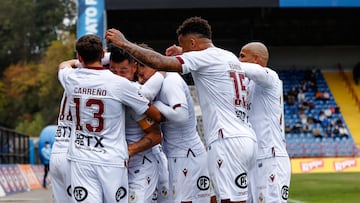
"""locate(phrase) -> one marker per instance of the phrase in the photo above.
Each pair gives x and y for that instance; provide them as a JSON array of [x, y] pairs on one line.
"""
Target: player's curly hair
[[195, 25], [89, 47]]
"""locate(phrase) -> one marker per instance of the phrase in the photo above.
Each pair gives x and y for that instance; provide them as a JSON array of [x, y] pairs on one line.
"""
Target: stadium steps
[[344, 99]]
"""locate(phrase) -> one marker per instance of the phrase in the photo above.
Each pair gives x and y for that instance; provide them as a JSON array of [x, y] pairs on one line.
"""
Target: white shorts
[[190, 179], [270, 180], [143, 179], [162, 193], [93, 183], [60, 177], [230, 161]]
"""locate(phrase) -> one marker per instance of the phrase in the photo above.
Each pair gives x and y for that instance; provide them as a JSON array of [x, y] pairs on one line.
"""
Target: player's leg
[[163, 194], [85, 184], [279, 188], [143, 178], [60, 177], [229, 163], [114, 183], [190, 179]]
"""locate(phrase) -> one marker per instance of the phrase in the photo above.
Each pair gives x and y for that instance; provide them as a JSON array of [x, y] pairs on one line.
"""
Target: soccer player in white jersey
[[187, 157], [271, 176], [98, 150], [60, 166], [143, 174], [222, 91]]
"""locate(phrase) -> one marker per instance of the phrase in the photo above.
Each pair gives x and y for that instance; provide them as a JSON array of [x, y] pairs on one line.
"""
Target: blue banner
[[91, 18], [319, 3]]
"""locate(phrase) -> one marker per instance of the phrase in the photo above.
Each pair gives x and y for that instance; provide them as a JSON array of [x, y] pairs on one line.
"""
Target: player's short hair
[[89, 47], [119, 55], [195, 25]]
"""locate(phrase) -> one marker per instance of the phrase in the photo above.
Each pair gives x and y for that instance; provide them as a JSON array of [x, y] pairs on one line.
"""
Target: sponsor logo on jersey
[[203, 183], [80, 193], [63, 134], [88, 142], [121, 193], [241, 115], [241, 180], [185, 171], [272, 177], [219, 162]]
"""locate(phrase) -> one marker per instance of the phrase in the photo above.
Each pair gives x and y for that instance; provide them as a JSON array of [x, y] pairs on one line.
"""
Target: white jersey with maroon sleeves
[[266, 112], [97, 102], [220, 84]]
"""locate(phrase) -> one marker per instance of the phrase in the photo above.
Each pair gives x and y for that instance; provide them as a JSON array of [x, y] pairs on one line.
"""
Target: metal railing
[[14, 147]]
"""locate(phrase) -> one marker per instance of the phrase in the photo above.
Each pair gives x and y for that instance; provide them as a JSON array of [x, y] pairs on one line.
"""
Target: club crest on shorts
[[80, 193], [154, 196], [203, 183], [261, 198], [285, 192], [68, 190], [120, 194], [164, 192], [241, 180]]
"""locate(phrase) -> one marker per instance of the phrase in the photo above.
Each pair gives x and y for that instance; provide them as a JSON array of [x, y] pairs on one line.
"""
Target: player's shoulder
[[172, 78], [272, 72]]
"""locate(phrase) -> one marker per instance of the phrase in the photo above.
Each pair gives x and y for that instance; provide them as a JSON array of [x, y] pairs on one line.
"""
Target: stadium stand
[[320, 111]]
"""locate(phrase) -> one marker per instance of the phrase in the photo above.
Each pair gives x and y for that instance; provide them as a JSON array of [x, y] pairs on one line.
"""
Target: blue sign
[[319, 3], [91, 18]]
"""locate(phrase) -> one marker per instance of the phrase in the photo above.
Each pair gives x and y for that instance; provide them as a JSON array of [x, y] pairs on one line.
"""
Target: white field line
[[295, 201]]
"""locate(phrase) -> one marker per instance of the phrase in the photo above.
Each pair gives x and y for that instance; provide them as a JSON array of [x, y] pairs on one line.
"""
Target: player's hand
[[173, 50], [116, 37]]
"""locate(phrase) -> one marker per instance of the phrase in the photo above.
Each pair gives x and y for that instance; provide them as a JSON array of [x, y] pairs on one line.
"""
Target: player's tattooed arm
[[148, 57], [150, 139]]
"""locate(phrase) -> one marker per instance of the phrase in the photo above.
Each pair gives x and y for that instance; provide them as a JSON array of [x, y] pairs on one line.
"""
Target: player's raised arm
[[149, 57], [69, 63]]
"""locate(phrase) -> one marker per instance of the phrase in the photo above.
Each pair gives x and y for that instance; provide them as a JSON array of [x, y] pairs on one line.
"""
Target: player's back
[[179, 137], [266, 115], [97, 106], [221, 88]]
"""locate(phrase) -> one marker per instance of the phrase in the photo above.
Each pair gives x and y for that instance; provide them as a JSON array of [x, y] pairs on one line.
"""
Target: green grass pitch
[[325, 188]]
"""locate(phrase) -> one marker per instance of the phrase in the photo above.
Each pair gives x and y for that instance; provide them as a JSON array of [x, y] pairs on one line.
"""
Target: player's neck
[[96, 66]]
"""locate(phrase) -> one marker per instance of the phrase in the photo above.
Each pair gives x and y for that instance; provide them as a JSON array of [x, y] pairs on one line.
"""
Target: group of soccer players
[[128, 133]]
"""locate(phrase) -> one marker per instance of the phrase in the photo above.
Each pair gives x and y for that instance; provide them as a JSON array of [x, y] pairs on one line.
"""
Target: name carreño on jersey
[[90, 91]]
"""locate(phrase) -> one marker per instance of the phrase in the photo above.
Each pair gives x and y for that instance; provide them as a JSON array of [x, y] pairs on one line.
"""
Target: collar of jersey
[[96, 68]]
